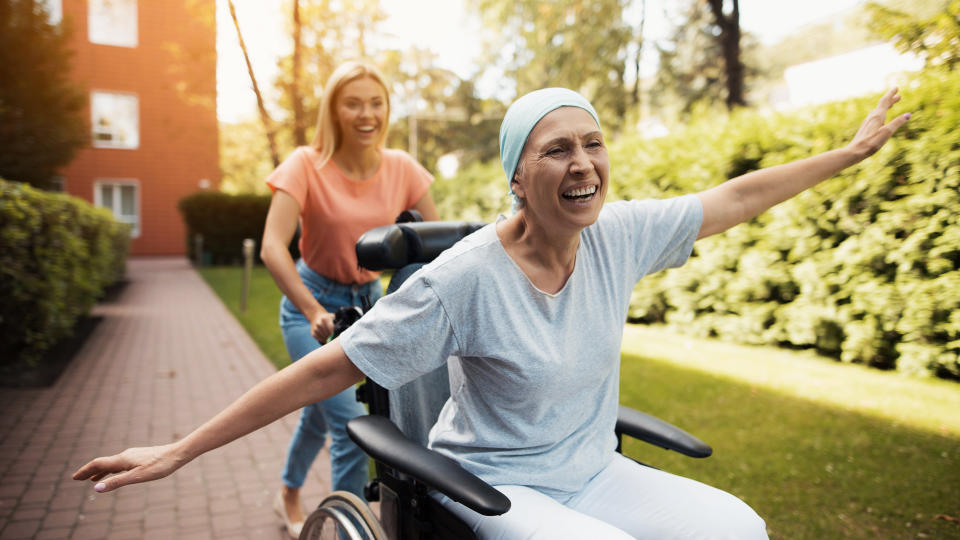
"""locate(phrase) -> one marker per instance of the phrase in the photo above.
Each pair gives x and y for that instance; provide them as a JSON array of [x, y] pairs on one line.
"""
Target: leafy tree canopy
[[40, 108], [935, 37]]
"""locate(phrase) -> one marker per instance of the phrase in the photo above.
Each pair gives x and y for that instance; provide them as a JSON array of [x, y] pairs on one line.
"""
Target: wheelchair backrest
[[404, 248]]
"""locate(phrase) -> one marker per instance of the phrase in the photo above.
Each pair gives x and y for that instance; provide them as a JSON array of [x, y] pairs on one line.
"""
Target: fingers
[[98, 468], [889, 99], [896, 124], [127, 468], [119, 480]]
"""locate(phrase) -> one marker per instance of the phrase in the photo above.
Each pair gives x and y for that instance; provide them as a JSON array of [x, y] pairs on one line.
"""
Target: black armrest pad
[[382, 440], [657, 432], [395, 246]]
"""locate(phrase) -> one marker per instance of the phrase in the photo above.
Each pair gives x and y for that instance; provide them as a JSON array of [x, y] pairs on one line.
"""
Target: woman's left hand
[[874, 132], [131, 466]]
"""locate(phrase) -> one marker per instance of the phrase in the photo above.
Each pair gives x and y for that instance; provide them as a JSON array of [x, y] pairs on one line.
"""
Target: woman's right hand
[[321, 326], [132, 466]]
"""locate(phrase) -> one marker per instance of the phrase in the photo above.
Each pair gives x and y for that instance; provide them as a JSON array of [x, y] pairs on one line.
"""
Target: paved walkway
[[166, 357]]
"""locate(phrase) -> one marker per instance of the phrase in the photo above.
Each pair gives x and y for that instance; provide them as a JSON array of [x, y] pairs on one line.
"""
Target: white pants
[[625, 500]]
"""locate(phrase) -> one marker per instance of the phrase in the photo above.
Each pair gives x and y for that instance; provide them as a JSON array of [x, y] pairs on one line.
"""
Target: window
[[122, 197], [58, 183], [113, 22], [54, 10], [115, 119]]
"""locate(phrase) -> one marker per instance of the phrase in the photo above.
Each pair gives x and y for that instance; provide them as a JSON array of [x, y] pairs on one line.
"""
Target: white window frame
[[59, 184], [54, 10], [134, 219], [102, 26], [97, 130]]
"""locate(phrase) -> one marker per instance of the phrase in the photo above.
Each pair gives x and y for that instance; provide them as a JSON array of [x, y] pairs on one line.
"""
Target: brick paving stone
[[63, 518], [53, 534], [167, 533], [29, 512], [90, 531], [20, 529], [128, 533], [166, 356]]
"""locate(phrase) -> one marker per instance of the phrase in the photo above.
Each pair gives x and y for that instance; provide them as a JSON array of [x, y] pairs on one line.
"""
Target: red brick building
[[149, 68]]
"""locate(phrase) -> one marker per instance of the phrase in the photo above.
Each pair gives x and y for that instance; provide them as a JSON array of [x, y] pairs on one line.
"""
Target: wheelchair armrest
[[657, 432], [382, 440], [395, 246]]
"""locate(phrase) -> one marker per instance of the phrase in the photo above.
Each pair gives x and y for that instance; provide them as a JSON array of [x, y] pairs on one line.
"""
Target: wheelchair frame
[[406, 471]]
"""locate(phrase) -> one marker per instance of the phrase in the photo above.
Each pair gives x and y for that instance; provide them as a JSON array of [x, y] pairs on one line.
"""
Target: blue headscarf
[[524, 114]]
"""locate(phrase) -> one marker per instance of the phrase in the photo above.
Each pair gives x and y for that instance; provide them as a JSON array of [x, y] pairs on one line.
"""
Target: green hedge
[[58, 254], [224, 221], [864, 268]]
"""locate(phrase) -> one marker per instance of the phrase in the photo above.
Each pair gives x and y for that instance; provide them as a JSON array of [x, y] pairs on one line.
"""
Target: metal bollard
[[248, 245]]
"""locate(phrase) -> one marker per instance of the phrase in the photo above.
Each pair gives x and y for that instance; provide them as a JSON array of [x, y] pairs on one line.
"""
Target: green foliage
[[41, 123], [479, 192], [864, 268], [225, 221], [813, 42], [935, 38], [449, 120], [332, 32], [244, 158], [577, 44], [693, 69], [57, 255]]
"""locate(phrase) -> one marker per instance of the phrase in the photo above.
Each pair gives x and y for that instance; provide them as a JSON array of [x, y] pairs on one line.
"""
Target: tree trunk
[[299, 125], [264, 116], [636, 85], [730, 44]]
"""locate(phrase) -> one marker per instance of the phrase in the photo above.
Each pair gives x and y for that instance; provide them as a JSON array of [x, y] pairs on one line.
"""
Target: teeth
[[582, 192], [366, 128]]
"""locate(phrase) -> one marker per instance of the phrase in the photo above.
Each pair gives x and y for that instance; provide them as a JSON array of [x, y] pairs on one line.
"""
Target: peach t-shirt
[[335, 210]]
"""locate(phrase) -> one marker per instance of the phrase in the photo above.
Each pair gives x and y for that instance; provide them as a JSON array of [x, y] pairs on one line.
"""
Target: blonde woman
[[341, 186]]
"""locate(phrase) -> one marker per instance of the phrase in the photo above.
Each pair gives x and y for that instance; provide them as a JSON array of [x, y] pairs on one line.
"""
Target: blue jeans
[[348, 464]]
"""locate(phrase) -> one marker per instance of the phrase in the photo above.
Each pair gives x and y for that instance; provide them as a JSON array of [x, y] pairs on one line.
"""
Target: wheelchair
[[394, 434]]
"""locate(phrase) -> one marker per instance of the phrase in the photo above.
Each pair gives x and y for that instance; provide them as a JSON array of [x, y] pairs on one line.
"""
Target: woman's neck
[[357, 163], [548, 258]]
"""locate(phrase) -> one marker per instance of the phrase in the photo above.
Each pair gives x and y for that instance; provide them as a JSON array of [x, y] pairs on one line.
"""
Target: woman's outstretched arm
[[745, 197], [319, 375]]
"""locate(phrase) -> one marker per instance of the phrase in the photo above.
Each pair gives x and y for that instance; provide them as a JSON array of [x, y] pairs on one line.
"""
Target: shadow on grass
[[809, 470]]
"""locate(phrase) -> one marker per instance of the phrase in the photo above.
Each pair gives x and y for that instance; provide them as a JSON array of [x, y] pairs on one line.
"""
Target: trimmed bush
[[864, 268], [224, 221], [58, 254]]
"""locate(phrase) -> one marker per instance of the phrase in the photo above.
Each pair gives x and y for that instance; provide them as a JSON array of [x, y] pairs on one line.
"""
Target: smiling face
[[361, 113], [563, 171]]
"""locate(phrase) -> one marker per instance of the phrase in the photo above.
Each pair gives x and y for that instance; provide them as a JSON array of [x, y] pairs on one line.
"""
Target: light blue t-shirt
[[534, 377]]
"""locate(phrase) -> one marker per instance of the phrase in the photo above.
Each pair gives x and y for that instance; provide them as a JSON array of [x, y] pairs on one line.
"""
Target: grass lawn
[[821, 450], [261, 319], [816, 458]]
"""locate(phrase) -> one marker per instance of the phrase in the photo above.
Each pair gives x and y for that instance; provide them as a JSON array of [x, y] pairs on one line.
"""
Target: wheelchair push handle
[[343, 318]]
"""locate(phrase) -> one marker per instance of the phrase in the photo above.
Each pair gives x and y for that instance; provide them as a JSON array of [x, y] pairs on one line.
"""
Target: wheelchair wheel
[[342, 516]]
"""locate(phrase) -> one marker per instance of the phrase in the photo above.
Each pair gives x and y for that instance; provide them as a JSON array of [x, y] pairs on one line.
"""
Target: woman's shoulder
[[469, 255], [396, 154], [302, 152], [399, 158], [300, 157]]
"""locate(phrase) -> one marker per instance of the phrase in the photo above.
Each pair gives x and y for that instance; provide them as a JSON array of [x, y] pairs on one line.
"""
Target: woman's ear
[[517, 187]]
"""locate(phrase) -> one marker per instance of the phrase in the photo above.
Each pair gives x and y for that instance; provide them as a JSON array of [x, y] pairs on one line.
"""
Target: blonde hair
[[328, 136]]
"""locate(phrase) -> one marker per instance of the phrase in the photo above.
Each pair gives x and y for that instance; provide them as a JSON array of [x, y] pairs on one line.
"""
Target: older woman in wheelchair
[[526, 314]]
